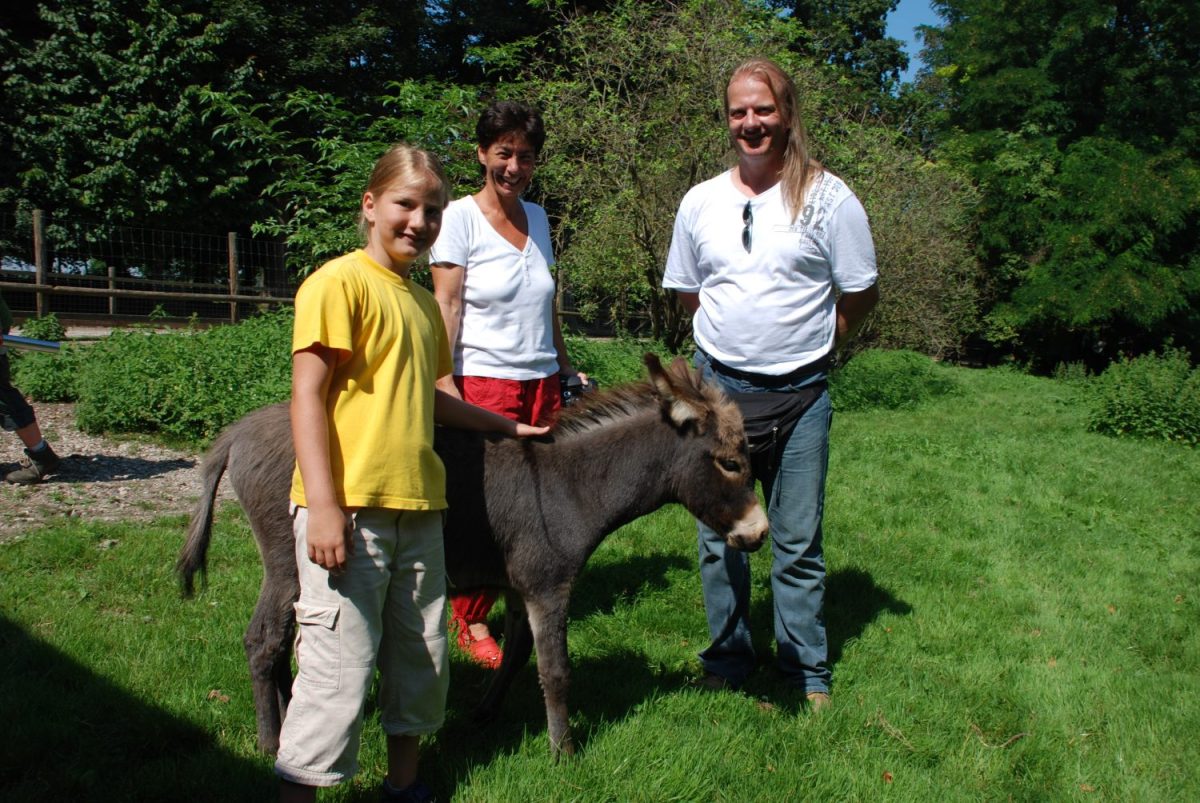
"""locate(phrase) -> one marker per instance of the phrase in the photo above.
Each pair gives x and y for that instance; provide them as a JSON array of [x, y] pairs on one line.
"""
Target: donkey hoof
[[564, 749]]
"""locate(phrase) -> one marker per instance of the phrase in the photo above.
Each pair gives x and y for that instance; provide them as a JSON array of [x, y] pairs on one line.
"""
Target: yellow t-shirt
[[380, 403]]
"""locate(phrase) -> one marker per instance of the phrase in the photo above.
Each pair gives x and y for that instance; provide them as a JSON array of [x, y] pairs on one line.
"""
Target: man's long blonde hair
[[798, 168]]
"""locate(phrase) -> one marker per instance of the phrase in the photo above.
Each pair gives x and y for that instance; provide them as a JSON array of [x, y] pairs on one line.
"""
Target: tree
[[105, 116], [922, 222], [632, 100], [319, 178], [851, 34], [634, 110], [342, 48], [1079, 120]]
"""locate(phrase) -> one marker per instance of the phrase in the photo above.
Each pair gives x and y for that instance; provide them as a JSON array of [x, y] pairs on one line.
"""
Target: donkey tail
[[193, 558]]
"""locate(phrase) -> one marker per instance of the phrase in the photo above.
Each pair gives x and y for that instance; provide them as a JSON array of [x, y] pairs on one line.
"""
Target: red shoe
[[485, 651]]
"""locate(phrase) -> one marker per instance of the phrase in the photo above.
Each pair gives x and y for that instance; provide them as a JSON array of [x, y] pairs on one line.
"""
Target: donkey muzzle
[[749, 533]]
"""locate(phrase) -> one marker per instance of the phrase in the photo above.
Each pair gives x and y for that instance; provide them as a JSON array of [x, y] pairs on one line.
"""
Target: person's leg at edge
[[414, 662], [31, 435], [795, 497], [19, 417], [404, 752], [290, 792], [725, 578], [470, 607], [339, 620]]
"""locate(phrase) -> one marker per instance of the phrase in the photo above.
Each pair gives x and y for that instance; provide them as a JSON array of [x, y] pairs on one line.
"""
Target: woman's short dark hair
[[506, 117]]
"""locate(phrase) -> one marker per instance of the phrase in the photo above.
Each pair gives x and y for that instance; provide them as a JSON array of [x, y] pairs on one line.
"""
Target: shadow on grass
[[603, 690], [602, 586], [72, 735], [852, 601]]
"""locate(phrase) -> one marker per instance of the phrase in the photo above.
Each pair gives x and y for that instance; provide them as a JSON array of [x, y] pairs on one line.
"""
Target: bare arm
[[852, 310], [448, 282], [327, 534], [452, 411]]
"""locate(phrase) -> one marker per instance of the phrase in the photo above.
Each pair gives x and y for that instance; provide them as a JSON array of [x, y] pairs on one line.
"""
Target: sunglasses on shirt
[[748, 221]]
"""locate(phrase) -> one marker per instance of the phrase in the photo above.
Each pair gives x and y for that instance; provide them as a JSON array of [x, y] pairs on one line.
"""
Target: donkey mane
[[594, 411]]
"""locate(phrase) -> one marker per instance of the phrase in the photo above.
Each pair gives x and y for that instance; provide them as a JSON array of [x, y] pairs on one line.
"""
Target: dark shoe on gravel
[[35, 466]]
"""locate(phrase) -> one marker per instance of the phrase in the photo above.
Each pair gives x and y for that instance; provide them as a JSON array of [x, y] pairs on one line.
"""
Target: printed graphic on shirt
[[813, 221]]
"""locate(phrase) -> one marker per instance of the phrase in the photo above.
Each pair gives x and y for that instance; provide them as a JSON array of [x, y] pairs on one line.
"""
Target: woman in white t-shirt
[[491, 276]]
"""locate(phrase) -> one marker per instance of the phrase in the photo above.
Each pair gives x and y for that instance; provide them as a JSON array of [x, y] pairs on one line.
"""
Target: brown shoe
[[817, 700], [34, 466], [714, 682]]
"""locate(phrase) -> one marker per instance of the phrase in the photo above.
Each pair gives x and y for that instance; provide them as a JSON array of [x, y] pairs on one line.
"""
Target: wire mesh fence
[[85, 271]]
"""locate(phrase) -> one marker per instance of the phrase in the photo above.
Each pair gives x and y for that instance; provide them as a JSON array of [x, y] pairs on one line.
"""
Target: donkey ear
[[676, 390]]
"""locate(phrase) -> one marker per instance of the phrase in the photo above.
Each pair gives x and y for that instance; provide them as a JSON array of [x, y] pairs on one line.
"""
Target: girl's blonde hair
[[799, 170], [405, 165]]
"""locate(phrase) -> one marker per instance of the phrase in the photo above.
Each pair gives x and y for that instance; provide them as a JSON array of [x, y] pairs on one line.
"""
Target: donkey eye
[[729, 465]]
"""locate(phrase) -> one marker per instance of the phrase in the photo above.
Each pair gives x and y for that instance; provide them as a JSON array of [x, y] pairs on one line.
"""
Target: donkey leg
[[548, 620], [268, 651], [268, 639], [518, 645]]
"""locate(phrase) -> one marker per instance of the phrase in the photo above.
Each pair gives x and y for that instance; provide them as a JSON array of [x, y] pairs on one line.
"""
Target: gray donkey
[[524, 515]]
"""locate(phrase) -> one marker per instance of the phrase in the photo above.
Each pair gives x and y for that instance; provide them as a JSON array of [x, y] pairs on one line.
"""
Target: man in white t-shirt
[[775, 260]]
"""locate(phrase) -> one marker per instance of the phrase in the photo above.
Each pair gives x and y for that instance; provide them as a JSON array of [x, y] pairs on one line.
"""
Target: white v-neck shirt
[[507, 329]]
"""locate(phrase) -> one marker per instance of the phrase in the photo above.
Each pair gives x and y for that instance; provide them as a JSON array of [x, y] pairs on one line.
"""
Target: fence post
[[233, 276], [40, 258], [112, 285]]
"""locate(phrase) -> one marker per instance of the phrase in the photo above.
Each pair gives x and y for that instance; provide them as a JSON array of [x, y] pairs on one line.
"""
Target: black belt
[[771, 380]]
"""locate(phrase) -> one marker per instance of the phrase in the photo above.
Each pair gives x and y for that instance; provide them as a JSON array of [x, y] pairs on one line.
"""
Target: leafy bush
[[889, 380], [1153, 396], [1075, 374], [186, 385], [46, 377], [47, 327], [613, 362]]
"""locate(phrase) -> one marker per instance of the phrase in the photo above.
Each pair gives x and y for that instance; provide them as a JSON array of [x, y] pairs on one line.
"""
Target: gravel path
[[101, 478]]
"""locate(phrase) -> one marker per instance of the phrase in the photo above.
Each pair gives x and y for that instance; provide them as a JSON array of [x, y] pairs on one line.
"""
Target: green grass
[[1012, 605]]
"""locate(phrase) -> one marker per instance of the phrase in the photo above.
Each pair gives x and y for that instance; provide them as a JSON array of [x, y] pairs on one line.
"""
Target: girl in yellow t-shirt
[[368, 490]]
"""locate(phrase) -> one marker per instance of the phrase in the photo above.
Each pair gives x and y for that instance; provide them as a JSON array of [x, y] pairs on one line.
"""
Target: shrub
[[1152, 396], [1075, 374], [48, 377], [889, 380], [187, 385], [47, 327], [613, 362], [45, 377]]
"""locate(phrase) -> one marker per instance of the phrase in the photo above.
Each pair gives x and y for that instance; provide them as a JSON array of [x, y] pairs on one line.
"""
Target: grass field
[[1013, 606]]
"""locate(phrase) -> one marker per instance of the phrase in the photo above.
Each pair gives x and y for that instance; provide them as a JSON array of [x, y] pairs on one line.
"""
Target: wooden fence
[[87, 272]]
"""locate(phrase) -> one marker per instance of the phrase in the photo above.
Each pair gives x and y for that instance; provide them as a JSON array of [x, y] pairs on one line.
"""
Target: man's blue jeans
[[795, 497]]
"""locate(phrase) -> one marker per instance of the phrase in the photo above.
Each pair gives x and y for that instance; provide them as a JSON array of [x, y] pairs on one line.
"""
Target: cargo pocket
[[318, 645]]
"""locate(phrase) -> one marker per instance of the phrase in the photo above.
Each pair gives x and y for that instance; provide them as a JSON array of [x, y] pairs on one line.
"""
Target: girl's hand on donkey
[[328, 536], [527, 431]]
